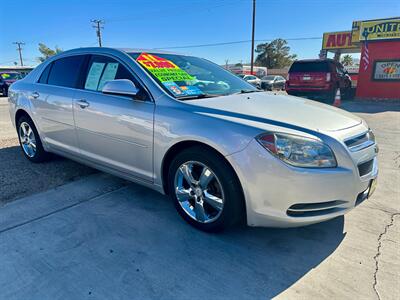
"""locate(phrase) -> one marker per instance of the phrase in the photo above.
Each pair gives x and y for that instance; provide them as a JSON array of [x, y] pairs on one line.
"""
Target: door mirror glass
[[122, 87]]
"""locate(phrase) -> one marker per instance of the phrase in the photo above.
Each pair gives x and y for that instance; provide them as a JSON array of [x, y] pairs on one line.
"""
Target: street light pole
[[252, 37], [97, 25], [20, 51]]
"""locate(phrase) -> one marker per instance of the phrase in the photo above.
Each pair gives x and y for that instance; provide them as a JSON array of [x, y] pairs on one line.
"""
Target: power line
[[238, 42], [162, 12], [97, 25], [19, 49], [252, 37]]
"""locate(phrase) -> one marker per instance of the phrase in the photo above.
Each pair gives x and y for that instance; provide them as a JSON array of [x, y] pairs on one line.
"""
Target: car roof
[[314, 60], [111, 50], [141, 50]]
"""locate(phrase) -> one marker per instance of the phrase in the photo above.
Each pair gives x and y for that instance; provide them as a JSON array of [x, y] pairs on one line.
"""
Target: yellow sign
[[385, 29], [337, 40], [355, 32], [163, 69]]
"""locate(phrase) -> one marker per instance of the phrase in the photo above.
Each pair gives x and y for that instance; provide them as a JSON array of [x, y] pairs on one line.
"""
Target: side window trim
[[83, 72]]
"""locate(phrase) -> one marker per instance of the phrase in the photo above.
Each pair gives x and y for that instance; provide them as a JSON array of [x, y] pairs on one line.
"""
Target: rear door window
[[306, 67], [65, 71]]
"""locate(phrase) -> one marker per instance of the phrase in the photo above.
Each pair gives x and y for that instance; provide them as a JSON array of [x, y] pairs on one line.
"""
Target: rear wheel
[[205, 190], [4, 91], [29, 141]]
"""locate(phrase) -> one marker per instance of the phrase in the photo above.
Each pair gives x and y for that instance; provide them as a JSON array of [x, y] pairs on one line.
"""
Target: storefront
[[379, 75], [378, 41]]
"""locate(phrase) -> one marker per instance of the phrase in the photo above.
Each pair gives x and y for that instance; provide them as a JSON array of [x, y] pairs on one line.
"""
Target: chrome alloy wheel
[[28, 139], [199, 191]]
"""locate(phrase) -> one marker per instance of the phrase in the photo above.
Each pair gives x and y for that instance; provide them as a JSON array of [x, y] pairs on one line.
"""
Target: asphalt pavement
[[18, 177], [100, 237]]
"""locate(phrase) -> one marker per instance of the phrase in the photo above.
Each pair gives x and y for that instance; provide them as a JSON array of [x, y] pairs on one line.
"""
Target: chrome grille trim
[[361, 141]]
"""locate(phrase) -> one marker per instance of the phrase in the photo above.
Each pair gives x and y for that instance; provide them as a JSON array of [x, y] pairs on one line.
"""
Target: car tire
[[193, 200], [30, 142], [4, 91]]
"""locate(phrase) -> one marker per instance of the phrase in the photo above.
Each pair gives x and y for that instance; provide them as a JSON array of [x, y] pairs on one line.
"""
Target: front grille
[[361, 141], [365, 167], [314, 209], [356, 140]]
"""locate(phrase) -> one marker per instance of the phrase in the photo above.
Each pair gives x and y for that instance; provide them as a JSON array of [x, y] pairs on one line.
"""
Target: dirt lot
[[128, 241], [18, 177]]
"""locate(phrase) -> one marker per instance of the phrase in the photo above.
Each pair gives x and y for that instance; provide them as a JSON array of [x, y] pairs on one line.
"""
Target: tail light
[[328, 77], [288, 77]]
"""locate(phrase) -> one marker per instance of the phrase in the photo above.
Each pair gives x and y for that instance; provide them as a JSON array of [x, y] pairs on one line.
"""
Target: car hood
[[280, 110]]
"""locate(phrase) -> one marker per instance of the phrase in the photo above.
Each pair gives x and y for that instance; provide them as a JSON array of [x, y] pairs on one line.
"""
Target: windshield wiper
[[247, 92], [200, 96]]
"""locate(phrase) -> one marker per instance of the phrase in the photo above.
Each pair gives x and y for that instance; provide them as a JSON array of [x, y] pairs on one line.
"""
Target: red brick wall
[[366, 87]]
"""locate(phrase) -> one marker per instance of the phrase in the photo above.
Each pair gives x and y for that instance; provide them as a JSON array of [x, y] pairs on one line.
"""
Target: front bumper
[[279, 195]]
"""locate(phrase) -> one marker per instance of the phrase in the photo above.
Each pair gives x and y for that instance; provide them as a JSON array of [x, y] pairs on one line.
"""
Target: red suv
[[318, 79]]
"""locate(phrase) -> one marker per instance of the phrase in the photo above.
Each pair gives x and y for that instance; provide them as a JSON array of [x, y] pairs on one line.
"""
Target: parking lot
[[70, 232]]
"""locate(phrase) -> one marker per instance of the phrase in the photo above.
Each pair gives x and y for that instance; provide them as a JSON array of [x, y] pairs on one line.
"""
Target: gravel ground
[[18, 177]]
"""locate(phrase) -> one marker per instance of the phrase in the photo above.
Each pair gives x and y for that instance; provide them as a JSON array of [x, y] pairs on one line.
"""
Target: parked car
[[318, 79], [223, 150], [6, 79], [272, 82], [254, 80]]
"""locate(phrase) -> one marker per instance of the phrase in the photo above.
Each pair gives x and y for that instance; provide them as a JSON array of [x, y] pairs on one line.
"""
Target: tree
[[347, 60], [274, 55], [47, 52]]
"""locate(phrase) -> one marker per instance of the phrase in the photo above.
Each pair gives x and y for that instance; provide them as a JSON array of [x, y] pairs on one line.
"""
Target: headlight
[[298, 151]]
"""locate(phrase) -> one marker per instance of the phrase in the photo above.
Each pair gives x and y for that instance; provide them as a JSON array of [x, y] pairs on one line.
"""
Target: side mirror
[[121, 87]]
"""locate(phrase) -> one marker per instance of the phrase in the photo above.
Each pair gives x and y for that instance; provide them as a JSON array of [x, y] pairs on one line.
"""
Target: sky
[[176, 23]]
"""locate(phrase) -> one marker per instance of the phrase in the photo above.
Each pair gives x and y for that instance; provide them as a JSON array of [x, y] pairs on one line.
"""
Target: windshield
[[10, 76], [188, 77], [268, 78]]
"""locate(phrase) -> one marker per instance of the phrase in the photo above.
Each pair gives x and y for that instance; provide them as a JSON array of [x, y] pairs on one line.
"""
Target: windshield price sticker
[[191, 90], [174, 88], [163, 69]]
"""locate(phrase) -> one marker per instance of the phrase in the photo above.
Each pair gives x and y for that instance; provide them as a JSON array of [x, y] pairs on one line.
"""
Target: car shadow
[[243, 262], [131, 243]]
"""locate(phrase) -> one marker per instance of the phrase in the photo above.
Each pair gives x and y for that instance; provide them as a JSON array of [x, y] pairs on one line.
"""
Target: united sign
[[387, 29]]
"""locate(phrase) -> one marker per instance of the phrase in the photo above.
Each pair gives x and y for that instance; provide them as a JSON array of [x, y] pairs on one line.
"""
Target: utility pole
[[19, 49], [97, 25], [252, 37]]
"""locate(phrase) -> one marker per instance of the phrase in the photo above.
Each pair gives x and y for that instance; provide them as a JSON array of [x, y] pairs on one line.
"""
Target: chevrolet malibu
[[223, 150]]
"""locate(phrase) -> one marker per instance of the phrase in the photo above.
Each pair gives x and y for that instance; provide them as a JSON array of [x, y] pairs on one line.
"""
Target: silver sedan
[[224, 151]]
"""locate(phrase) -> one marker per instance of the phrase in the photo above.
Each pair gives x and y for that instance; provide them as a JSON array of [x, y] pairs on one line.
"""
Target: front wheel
[[205, 190]]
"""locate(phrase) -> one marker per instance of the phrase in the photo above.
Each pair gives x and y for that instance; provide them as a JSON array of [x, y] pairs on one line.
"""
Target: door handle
[[35, 95], [83, 103]]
